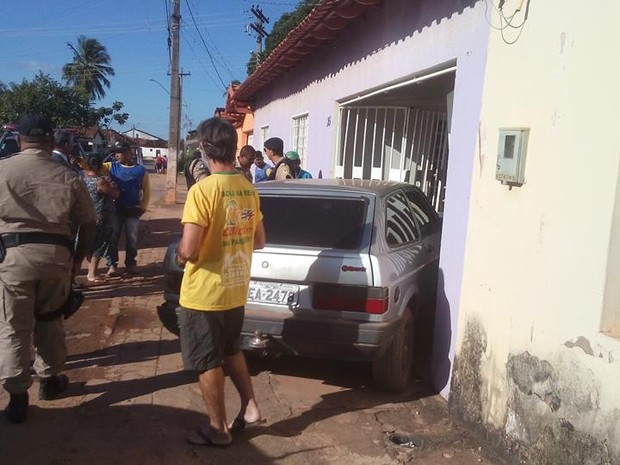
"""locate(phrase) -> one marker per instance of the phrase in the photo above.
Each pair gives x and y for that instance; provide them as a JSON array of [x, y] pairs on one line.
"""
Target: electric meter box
[[511, 152]]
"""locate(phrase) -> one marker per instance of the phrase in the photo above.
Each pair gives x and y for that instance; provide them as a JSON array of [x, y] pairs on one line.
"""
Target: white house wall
[[540, 272], [393, 43]]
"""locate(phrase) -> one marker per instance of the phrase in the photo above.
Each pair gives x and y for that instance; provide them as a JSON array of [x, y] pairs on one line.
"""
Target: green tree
[[90, 68], [109, 114], [64, 104], [45, 95], [285, 24]]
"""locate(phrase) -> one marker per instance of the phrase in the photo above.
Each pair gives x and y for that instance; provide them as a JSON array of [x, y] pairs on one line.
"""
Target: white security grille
[[395, 143]]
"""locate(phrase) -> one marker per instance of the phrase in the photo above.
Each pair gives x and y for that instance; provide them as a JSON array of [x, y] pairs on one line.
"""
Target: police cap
[[35, 126]]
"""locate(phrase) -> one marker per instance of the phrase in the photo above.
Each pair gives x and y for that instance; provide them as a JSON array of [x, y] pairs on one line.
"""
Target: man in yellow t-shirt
[[222, 225]]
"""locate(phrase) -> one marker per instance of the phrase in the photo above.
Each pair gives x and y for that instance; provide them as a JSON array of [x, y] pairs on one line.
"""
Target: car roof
[[379, 188]]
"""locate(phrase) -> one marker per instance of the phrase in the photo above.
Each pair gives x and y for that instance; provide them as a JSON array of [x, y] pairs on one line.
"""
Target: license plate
[[273, 293]]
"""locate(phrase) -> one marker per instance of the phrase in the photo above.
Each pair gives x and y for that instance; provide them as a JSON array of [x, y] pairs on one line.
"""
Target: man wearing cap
[[133, 183], [274, 149], [41, 203], [296, 162]]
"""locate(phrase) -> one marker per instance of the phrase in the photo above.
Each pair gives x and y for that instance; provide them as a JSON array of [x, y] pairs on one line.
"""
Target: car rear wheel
[[392, 371]]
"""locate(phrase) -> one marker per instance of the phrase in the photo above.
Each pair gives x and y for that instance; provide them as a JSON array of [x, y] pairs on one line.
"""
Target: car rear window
[[329, 223]]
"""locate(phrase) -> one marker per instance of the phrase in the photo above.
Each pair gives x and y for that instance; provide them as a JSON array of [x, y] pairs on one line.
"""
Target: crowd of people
[[57, 211], [161, 163], [252, 164]]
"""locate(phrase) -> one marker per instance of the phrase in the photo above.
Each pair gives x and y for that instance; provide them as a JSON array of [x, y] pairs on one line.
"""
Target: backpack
[[196, 163], [291, 168]]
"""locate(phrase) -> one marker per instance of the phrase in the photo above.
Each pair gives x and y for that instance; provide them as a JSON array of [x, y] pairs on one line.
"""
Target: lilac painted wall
[[390, 44]]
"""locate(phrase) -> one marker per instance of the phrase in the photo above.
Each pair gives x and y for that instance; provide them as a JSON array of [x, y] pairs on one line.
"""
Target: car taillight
[[346, 298]]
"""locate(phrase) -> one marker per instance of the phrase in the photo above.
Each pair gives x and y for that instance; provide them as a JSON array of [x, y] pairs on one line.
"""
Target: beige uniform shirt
[[283, 172], [38, 194]]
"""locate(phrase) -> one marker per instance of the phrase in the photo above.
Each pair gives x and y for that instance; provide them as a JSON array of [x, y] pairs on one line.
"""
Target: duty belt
[[15, 239]]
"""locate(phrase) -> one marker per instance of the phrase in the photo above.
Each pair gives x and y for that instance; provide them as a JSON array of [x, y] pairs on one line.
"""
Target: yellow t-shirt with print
[[227, 206]]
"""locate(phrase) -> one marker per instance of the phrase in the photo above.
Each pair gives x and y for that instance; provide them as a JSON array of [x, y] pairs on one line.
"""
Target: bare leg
[[93, 264], [237, 369], [212, 387]]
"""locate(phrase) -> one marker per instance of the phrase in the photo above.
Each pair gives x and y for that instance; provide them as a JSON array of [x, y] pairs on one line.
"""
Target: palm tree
[[90, 68]]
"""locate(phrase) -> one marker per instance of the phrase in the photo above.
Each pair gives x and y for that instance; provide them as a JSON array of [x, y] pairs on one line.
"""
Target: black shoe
[[51, 387], [17, 409]]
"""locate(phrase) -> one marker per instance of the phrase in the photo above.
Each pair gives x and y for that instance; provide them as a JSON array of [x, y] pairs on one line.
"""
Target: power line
[[206, 48], [222, 60]]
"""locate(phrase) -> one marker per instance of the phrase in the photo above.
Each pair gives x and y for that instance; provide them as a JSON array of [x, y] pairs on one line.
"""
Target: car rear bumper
[[334, 338]]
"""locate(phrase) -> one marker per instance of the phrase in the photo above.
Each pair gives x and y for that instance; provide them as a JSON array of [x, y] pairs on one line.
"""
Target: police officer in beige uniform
[[41, 203]]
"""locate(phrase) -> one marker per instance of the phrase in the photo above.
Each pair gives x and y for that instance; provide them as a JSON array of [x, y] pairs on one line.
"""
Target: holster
[[74, 301]]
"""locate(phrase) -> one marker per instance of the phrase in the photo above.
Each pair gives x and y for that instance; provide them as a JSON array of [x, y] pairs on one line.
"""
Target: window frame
[[295, 137]]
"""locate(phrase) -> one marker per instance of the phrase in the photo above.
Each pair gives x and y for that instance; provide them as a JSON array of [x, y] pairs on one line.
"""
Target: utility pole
[[259, 29], [174, 137]]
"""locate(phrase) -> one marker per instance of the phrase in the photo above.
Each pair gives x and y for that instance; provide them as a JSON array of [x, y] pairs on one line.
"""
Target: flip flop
[[200, 438], [239, 424], [97, 279]]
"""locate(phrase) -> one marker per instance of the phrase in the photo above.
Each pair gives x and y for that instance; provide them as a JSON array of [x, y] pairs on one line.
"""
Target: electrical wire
[[198, 59], [222, 60], [506, 22], [205, 45]]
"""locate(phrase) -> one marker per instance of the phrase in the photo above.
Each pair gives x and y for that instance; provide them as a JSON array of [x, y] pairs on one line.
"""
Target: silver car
[[347, 268]]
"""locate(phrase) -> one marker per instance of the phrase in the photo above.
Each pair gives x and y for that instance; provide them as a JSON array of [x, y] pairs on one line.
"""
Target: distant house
[[113, 136], [92, 139], [504, 113], [240, 115], [150, 145]]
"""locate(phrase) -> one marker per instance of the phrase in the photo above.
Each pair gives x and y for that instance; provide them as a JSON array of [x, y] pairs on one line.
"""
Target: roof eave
[[321, 25]]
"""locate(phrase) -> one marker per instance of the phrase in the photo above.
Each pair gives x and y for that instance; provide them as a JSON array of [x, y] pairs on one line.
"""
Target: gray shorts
[[208, 337]]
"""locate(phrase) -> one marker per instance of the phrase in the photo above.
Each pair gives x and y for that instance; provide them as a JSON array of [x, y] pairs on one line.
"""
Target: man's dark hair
[[94, 162], [61, 138], [247, 151], [218, 139], [276, 145]]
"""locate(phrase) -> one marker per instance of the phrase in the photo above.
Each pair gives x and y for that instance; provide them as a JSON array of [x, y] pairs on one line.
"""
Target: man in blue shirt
[[133, 183], [261, 168]]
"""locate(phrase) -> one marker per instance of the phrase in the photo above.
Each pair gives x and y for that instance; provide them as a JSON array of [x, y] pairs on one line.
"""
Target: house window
[[264, 134], [299, 139]]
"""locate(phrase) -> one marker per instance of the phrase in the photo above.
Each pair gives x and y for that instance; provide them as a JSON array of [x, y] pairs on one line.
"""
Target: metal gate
[[395, 143]]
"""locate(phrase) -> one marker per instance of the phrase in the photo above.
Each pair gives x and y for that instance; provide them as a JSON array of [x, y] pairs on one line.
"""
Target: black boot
[[51, 387], [17, 409]]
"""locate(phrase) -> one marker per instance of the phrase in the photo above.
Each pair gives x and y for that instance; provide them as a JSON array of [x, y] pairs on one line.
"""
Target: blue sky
[[35, 33]]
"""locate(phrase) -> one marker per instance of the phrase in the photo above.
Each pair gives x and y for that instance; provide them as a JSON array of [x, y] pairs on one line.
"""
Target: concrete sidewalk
[[130, 402]]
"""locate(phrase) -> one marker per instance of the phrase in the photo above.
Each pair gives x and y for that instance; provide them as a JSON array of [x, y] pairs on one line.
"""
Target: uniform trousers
[[34, 280]]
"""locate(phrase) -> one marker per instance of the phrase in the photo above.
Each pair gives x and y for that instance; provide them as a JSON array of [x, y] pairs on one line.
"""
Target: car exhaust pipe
[[266, 344]]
